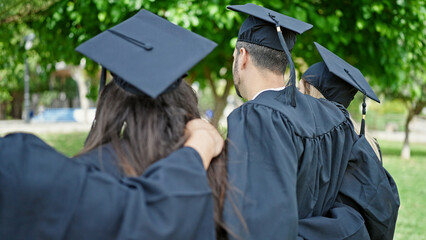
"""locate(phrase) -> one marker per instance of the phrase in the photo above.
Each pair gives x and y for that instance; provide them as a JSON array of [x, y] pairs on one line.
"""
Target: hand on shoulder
[[204, 138]]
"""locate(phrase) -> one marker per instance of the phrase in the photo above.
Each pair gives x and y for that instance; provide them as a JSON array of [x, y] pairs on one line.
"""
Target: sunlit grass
[[66, 143], [409, 176]]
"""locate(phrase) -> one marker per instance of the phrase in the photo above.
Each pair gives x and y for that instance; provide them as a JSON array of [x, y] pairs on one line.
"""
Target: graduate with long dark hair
[[133, 131], [142, 173]]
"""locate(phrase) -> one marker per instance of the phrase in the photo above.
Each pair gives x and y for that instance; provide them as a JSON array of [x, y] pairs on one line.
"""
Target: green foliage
[[12, 32], [66, 24], [11, 11], [47, 97], [4, 92], [385, 39]]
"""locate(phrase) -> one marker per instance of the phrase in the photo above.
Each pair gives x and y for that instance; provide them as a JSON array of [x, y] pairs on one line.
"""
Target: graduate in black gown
[[288, 152], [318, 81], [367, 186], [114, 190]]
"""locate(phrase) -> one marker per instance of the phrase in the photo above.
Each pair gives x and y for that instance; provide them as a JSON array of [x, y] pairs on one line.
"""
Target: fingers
[[197, 124], [204, 125], [205, 139]]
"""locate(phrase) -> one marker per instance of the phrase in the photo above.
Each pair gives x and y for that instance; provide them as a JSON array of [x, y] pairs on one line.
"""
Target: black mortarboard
[[337, 80], [146, 53], [346, 72], [263, 27], [260, 27], [331, 86]]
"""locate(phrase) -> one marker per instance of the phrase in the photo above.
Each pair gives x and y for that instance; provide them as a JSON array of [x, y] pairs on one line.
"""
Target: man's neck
[[261, 81]]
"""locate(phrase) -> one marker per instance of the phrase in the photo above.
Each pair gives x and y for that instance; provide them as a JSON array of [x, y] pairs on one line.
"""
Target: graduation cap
[[146, 54], [263, 27], [339, 81]]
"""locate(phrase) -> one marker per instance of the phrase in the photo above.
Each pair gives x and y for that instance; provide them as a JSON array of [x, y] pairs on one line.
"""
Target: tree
[[384, 39], [66, 24], [12, 13], [15, 11]]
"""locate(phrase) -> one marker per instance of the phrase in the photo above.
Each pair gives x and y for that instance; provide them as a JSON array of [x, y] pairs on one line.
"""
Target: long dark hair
[[143, 130]]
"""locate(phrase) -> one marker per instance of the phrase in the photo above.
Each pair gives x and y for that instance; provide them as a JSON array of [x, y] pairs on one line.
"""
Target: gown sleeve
[[340, 222], [44, 195], [262, 170]]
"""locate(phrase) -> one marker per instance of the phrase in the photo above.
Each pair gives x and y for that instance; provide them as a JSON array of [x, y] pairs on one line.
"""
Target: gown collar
[[268, 89]]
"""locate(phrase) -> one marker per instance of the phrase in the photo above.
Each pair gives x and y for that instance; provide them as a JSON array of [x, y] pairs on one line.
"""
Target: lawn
[[66, 143], [409, 177]]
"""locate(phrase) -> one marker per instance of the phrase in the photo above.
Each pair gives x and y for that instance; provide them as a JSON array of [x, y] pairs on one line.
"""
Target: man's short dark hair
[[267, 58]]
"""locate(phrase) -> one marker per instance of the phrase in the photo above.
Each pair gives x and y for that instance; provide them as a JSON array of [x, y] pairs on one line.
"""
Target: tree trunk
[[78, 76], [405, 153], [17, 105], [220, 100], [220, 104], [414, 109], [3, 107]]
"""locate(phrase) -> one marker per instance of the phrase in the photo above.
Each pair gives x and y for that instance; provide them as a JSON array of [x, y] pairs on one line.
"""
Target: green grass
[[66, 143], [409, 177]]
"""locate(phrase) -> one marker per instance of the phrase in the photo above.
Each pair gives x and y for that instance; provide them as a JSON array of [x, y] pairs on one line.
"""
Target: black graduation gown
[[371, 190], [367, 189], [287, 165], [44, 195], [340, 222]]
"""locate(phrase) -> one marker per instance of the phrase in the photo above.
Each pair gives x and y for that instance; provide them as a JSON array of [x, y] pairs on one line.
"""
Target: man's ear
[[243, 55]]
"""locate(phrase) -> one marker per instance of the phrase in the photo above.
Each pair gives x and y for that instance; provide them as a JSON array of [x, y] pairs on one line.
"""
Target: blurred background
[[48, 89]]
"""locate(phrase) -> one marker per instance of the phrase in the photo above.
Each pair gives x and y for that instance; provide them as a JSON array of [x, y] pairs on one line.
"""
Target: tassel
[[364, 110], [292, 82], [103, 79]]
